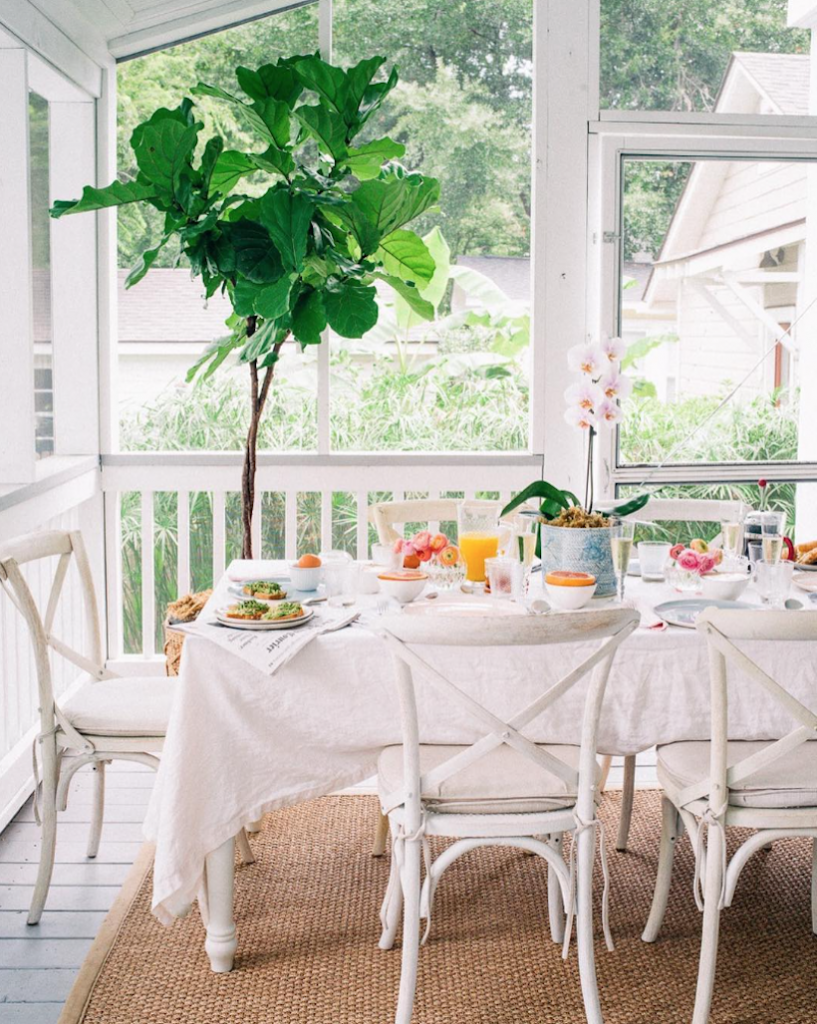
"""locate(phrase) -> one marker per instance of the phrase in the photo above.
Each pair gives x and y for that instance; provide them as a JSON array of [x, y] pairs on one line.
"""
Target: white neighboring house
[[728, 278]]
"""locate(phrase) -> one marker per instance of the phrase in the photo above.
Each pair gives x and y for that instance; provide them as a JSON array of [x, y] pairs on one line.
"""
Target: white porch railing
[[172, 519]]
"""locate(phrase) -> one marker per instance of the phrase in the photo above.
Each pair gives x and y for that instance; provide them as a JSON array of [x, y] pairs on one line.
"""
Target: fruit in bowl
[[569, 591], [306, 572], [403, 585]]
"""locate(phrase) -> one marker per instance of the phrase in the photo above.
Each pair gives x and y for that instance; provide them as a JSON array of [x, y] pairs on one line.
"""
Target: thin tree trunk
[[258, 398]]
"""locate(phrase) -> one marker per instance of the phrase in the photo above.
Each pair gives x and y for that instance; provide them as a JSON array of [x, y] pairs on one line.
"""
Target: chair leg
[[627, 797], [381, 836], [663, 879], [48, 840], [254, 826], [393, 908], [711, 927], [814, 886], [606, 761], [98, 811], [410, 878], [584, 924], [556, 906], [242, 841]]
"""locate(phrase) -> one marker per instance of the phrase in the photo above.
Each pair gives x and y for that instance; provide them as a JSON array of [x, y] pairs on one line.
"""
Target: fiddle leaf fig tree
[[302, 251]]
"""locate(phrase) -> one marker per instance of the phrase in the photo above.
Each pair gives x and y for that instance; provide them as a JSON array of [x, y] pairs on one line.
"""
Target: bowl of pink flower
[[438, 556], [689, 565]]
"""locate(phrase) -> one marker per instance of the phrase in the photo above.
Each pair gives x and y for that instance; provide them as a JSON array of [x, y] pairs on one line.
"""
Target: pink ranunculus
[[706, 563], [438, 542], [675, 551], [409, 548], [425, 554], [421, 541], [689, 560]]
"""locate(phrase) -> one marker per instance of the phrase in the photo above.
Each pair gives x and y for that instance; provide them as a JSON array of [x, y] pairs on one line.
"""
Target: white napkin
[[649, 619]]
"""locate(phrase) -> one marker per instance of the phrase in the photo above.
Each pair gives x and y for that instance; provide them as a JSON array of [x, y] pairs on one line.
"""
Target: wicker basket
[[186, 609]]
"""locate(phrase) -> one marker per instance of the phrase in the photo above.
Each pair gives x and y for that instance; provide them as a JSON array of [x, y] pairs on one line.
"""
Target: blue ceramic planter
[[577, 550]]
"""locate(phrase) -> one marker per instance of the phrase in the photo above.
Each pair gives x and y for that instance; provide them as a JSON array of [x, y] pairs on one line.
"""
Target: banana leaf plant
[[302, 248], [555, 501]]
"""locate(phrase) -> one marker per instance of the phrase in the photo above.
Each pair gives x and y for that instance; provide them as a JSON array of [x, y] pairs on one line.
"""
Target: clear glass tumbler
[[652, 559]]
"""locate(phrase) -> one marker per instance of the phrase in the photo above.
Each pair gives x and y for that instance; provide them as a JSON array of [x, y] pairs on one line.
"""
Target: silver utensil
[[793, 605]]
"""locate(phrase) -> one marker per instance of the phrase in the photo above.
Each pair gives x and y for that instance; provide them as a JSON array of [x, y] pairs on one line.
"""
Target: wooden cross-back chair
[[770, 786], [385, 515], [107, 718], [658, 510], [504, 789]]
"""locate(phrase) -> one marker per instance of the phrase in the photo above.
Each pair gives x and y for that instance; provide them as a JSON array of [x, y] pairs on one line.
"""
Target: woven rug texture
[[307, 918]]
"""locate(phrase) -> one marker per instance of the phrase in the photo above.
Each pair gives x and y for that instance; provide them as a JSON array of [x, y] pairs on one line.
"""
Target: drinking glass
[[773, 581], [732, 539], [522, 543], [621, 545], [500, 572], [652, 557], [772, 526], [480, 535]]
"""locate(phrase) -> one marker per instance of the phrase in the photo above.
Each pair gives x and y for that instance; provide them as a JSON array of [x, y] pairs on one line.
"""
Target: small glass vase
[[445, 577], [685, 581]]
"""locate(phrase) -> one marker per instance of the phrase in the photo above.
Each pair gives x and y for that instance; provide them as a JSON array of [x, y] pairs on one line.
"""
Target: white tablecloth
[[241, 743]]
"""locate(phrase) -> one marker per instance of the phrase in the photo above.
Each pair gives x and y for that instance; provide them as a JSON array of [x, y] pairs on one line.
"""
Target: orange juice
[[475, 547]]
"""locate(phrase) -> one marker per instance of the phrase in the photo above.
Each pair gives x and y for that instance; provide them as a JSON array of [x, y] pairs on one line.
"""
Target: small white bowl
[[305, 577], [402, 589], [569, 599], [724, 586]]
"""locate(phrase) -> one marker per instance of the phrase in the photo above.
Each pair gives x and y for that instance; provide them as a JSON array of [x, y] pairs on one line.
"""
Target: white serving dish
[[403, 590], [724, 586], [569, 599], [305, 578], [261, 625]]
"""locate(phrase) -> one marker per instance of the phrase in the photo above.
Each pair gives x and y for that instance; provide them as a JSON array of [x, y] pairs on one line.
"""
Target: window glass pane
[[164, 323], [463, 110], [732, 57], [713, 289], [41, 274]]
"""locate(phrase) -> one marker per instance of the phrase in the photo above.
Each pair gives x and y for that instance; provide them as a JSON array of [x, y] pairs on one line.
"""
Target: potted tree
[[302, 249]]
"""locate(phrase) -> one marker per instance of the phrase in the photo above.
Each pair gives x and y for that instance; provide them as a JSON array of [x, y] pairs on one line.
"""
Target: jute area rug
[[307, 916]]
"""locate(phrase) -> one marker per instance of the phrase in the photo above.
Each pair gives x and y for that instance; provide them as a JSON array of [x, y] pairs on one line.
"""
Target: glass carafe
[[481, 535]]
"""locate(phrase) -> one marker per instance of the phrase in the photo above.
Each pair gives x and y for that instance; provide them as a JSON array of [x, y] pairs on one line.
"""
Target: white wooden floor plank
[[60, 897], [81, 812], [30, 986], [56, 925], [27, 852], [75, 832], [89, 873], [45, 954], [30, 1013]]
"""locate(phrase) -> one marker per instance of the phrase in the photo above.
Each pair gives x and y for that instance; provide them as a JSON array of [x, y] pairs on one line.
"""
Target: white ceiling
[[125, 28]]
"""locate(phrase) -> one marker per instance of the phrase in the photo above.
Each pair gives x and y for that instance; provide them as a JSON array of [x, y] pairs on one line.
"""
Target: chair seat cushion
[[790, 781], [502, 782], [133, 706]]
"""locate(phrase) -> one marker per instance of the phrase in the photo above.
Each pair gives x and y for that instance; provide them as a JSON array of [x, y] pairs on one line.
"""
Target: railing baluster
[[114, 579], [326, 521], [255, 524], [219, 536], [362, 525], [433, 525], [291, 526], [148, 596], [183, 543]]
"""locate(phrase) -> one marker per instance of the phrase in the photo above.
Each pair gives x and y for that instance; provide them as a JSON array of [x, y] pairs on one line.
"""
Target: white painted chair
[[659, 510], [768, 786], [502, 790], [107, 718]]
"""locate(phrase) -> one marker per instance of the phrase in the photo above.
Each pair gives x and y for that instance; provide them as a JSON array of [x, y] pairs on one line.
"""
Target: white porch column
[[803, 14]]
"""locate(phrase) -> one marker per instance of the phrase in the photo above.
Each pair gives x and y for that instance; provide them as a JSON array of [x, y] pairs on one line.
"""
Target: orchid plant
[[593, 403]]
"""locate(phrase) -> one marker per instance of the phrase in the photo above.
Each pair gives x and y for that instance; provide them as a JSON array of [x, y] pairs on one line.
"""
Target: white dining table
[[242, 742]]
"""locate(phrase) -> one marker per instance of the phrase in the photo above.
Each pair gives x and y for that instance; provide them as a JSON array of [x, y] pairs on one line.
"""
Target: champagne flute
[[621, 545], [732, 540], [772, 525]]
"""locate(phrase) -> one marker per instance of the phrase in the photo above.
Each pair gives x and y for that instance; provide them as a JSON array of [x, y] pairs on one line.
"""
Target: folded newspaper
[[268, 650]]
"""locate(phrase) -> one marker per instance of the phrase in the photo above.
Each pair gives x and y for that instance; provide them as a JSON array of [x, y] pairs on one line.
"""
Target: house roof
[[511, 273], [168, 306], [781, 78]]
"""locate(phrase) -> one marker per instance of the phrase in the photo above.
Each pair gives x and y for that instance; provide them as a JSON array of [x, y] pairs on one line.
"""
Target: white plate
[[261, 625], [801, 567], [684, 612], [805, 582], [479, 608]]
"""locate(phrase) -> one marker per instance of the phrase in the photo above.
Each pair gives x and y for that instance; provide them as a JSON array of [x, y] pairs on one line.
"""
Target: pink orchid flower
[[581, 418], [586, 395], [613, 348], [608, 412], [615, 384], [587, 358]]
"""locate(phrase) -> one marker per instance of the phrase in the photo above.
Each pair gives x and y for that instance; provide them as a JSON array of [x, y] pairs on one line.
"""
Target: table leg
[[220, 943]]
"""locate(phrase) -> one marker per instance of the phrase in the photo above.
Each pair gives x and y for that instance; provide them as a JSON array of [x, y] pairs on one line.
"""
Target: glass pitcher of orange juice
[[480, 535]]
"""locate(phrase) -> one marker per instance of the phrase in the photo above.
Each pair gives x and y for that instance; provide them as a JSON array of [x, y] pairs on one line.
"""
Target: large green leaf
[[287, 216], [275, 114], [256, 117], [405, 255], [256, 255], [351, 309], [326, 127], [276, 160], [366, 161], [209, 158], [628, 507], [380, 206], [538, 489], [479, 286], [230, 168], [309, 318], [163, 148], [373, 98], [410, 295], [358, 80], [243, 296], [118, 193], [270, 80], [272, 302], [214, 355], [327, 81]]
